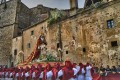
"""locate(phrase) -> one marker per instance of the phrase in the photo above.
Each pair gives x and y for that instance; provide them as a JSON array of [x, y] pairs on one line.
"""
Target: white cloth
[[2, 73], [81, 76], [33, 75], [17, 75], [75, 74], [49, 75], [41, 75], [73, 79], [22, 74], [11, 74], [26, 74], [75, 71], [6, 74], [78, 68], [60, 73], [88, 78], [88, 75]]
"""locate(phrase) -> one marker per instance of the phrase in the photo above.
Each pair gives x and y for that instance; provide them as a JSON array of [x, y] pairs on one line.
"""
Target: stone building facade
[[91, 35], [14, 18], [7, 29]]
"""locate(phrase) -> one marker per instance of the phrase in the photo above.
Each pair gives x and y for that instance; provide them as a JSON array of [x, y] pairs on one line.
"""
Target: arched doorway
[[20, 57]]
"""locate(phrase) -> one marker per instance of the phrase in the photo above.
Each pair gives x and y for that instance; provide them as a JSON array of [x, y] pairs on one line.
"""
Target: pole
[[60, 39]]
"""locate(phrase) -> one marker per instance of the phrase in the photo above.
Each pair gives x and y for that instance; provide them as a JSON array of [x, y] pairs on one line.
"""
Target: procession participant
[[118, 68], [27, 73], [20, 73], [81, 72], [47, 73], [9, 72], [88, 74], [108, 70], [67, 72], [6, 73], [75, 67], [31, 72], [34, 74], [23, 73], [39, 74], [55, 71], [3, 72], [17, 74], [14, 73]]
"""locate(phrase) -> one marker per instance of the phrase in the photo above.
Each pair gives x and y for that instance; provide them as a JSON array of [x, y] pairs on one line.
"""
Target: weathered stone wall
[[12, 19], [6, 35], [7, 23], [16, 45], [38, 14], [84, 36], [98, 36], [72, 39], [8, 14], [32, 39], [23, 16]]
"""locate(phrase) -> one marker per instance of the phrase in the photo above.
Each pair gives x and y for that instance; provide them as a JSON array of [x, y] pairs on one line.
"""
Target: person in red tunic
[[88, 72], [74, 65], [67, 72], [81, 72], [47, 73], [38, 72], [35, 74], [3, 72], [6, 72], [55, 71], [9, 72], [14, 73], [26, 74], [20, 73], [31, 72]]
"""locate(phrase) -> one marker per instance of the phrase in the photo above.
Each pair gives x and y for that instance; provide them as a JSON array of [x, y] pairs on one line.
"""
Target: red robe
[[47, 69], [55, 71], [68, 72]]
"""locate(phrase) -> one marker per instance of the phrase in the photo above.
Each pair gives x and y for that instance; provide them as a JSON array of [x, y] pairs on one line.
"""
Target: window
[[110, 23], [84, 49], [15, 52], [28, 45], [32, 32], [114, 43], [58, 45], [73, 37], [66, 52]]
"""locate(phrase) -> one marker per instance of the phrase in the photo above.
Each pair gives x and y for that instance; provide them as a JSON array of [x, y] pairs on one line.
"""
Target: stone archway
[[20, 57]]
